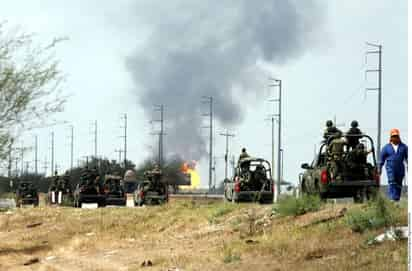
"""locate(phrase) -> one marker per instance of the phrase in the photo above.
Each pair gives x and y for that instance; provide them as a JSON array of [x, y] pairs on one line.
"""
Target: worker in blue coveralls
[[395, 154]]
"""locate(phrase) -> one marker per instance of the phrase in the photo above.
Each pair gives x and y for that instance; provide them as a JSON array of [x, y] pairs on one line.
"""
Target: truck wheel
[[323, 196], [233, 198], [303, 191], [360, 196], [225, 198], [371, 193]]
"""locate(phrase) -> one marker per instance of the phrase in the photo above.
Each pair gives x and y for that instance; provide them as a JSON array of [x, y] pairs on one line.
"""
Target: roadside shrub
[[220, 211], [292, 206], [377, 214], [229, 255]]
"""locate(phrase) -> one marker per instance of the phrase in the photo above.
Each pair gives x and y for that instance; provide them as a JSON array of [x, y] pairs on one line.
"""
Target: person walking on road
[[395, 154]]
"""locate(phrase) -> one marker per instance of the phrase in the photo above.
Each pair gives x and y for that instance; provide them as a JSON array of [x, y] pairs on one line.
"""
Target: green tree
[[30, 84]]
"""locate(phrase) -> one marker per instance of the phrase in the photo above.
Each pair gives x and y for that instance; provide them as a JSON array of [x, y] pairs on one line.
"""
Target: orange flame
[[190, 168]]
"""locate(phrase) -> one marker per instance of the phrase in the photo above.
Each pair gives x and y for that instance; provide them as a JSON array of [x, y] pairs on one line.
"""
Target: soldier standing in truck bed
[[353, 135], [243, 155], [331, 131]]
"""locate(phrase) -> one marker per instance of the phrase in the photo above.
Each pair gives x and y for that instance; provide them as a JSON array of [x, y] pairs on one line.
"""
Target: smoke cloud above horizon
[[208, 48]]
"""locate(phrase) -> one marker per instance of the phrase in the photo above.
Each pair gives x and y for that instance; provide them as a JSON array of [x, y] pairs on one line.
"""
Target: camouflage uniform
[[331, 132], [335, 156], [243, 155], [354, 135], [154, 177]]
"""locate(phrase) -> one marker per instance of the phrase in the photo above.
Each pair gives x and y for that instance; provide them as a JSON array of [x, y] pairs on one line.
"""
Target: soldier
[[84, 176], [65, 182], [335, 152], [331, 131], [361, 154], [156, 174], [54, 182], [353, 135], [243, 155]]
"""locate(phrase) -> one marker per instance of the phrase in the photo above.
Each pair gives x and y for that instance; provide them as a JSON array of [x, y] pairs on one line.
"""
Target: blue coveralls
[[395, 168]]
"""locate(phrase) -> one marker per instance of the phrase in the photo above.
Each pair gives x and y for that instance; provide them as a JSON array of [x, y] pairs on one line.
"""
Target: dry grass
[[189, 236]]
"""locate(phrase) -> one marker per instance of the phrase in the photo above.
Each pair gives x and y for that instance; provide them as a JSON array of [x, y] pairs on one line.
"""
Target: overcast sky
[[126, 56]]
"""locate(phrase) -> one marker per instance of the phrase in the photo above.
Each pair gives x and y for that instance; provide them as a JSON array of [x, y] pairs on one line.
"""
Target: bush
[[290, 205], [229, 255], [221, 210], [378, 213]]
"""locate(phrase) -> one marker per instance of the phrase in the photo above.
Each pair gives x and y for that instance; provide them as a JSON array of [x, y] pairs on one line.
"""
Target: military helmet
[[329, 123], [354, 124]]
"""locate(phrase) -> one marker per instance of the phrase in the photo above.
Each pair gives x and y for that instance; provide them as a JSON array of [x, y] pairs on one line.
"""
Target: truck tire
[[371, 193], [225, 198], [360, 196], [303, 190]]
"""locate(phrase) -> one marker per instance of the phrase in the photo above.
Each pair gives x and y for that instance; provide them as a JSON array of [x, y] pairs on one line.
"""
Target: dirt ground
[[186, 235]]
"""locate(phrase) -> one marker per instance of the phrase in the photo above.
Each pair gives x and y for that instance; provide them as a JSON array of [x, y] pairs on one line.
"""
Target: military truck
[[60, 191], [252, 181], [89, 189], [114, 191], [152, 190], [339, 171], [27, 194]]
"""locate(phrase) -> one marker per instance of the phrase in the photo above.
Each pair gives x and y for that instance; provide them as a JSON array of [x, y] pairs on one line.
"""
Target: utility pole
[[337, 125], [52, 153], [45, 165], [22, 160], [161, 133], [233, 164], [94, 131], [227, 135], [120, 154], [71, 146], [272, 119], [27, 167], [125, 139], [379, 89], [214, 172], [35, 155], [16, 166], [10, 158], [281, 169], [209, 100], [87, 160], [278, 83]]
